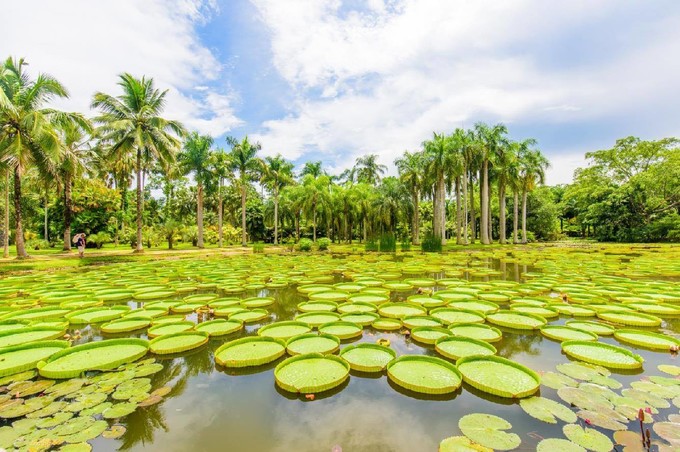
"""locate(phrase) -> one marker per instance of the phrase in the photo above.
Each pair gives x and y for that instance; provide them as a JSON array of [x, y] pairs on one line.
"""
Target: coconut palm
[[316, 197], [28, 135], [277, 173], [392, 199], [438, 160], [220, 168], [532, 172], [506, 170], [367, 170], [313, 169], [130, 124], [195, 158], [243, 157], [411, 172], [365, 197], [5, 170]]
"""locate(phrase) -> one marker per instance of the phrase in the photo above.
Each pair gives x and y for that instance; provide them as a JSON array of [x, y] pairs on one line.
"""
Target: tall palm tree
[[365, 197], [244, 159], [220, 168], [411, 168], [277, 173], [130, 124], [314, 169], [28, 136], [438, 158], [532, 172], [367, 169], [392, 200], [492, 139], [505, 170], [75, 150], [316, 196], [195, 158], [454, 171]]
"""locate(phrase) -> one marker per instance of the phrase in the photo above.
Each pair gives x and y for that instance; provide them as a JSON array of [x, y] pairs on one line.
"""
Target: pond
[[210, 407]]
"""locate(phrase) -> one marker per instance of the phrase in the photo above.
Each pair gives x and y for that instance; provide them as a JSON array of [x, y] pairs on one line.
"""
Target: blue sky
[[334, 79]]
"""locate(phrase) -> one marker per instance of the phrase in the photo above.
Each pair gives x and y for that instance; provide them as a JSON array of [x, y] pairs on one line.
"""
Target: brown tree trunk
[[524, 216], [458, 219], [473, 214], [314, 224], [484, 195], [515, 219], [501, 212], [465, 208], [244, 241], [199, 215], [5, 232], [46, 234], [220, 214], [276, 217], [416, 218], [140, 245], [439, 223], [68, 212], [19, 239]]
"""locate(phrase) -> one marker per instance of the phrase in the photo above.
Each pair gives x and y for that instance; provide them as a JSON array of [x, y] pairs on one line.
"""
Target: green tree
[[532, 172], [367, 169], [244, 160], [131, 125], [411, 168], [277, 173], [313, 169], [195, 158], [439, 158], [220, 169], [316, 197]]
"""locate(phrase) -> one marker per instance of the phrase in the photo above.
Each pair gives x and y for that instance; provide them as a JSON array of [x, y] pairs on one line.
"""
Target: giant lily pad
[[249, 316], [386, 324], [360, 318], [316, 319], [598, 328], [589, 438], [452, 316], [368, 357], [461, 444], [29, 334], [250, 351], [499, 376], [602, 354], [630, 318], [102, 355], [20, 358], [169, 328], [342, 329], [455, 347], [429, 334], [401, 310], [517, 320], [124, 325], [565, 333], [311, 373], [219, 327], [489, 431], [312, 343], [178, 342], [425, 374], [647, 339], [477, 331], [284, 330], [96, 315], [420, 320]]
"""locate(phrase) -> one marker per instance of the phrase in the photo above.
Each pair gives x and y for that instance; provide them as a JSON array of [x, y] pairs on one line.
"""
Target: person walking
[[79, 240]]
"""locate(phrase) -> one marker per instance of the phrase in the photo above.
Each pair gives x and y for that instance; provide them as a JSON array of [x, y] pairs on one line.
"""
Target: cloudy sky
[[334, 79]]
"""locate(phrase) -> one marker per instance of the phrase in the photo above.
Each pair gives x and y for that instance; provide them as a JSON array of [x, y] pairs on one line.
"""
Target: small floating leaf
[[547, 410], [116, 431], [119, 410], [461, 444], [488, 430], [589, 438]]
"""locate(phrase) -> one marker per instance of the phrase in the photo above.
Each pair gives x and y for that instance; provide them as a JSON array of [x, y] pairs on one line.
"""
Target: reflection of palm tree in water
[[513, 344]]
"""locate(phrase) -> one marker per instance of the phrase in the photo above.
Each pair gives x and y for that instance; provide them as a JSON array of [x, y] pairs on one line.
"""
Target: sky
[[332, 80]]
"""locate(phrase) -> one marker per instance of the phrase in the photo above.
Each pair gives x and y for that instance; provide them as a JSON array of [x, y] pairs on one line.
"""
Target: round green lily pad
[[498, 376], [669, 369], [19, 358], [317, 306], [489, 431], [598, 328], [249, 316], [565, 333], [284, 330], [477, 331], [630, 318], [424, 374], [169, 328], [455, 347], [452, 316], [342, 329], [312, 343], [647, 339], [547, 410], [602, 354], [102, 355], [517, 320], [124, 325], [316, 319], [250, 351], [400, 310], [461, 444], [669, 431], [411, 322], [96, 315], [311, 373], [219, 327], [589, 438], [360, 318], [354, 307], [178, 342], [30, 334], [119, 410], [386, 324], [429, 334], [368, 357], [556, 381]]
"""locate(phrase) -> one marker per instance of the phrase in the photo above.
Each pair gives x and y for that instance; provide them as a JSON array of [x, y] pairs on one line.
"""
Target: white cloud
[[86, 44], [562, 167], [381, 80]]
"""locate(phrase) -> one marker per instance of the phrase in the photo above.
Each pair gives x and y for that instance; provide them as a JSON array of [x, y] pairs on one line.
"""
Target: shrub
[[38, 244], [99, 239], [323, 243], [305, 245], [431, 244], [258, 248], [371, 245], [388, 243], [406, 243]]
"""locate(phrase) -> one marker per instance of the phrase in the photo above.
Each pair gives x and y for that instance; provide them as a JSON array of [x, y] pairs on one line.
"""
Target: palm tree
[[313, 169], [454, 171], [411, 172], [243, 157], [75, 150], [492, 140], [130, 124], [368, 170], [195, 158], [220, 168], [5, 223], [392, 199], [316, 197], [28, 136], [532, 171], [505, 169], [438, 159], [277, 173], [365, 197]]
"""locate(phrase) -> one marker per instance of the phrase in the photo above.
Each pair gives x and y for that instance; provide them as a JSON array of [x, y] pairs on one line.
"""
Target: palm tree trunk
[[473, 214], [276, 217], [364, 225], [416, 217], [524, 216], [440, 210], [314, 223], [19, 239], [5, 232], [515, 217], [465, 208], [297, 226], [244, 241], [458, 219], [501, 212], [220, 214], [140, 245], [46, 219], [68, 212], [199, 216], [485, 203]]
